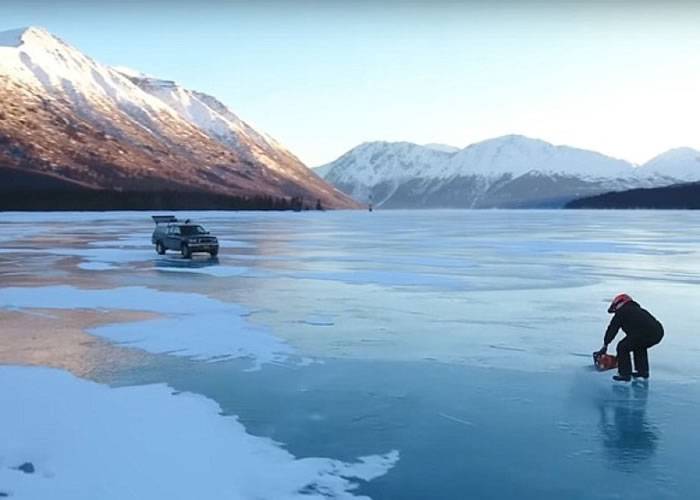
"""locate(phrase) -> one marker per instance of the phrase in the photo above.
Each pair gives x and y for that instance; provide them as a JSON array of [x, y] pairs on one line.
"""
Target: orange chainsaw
[[603, 361]]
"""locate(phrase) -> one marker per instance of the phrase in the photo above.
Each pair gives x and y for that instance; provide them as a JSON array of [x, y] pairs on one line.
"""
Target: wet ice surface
[[461, 339]]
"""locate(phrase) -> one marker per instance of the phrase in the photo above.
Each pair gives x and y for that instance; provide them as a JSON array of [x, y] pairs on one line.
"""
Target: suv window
[[192, 230], [173, 231]]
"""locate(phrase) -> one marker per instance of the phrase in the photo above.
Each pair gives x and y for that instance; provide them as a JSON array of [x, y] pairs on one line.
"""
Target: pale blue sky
[[619, 77]]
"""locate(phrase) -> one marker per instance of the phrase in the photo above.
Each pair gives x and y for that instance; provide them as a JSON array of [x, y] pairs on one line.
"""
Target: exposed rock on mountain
[[68, 122]]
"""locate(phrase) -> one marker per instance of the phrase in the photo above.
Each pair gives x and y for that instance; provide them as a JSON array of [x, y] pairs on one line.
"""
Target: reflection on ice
[[194, 325], [627, 435], [198, 265], [59, 339]]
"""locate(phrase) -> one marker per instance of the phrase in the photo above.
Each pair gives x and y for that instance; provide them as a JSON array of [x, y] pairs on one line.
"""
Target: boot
[[640, 375], [622, 378]]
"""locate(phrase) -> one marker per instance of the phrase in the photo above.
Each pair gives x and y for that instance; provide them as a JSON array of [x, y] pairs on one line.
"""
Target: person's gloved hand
[[603, 350]]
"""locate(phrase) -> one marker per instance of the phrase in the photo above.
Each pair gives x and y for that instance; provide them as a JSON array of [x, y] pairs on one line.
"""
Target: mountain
[[445, 148], [677, 196], [323, 170], [510, 172], [70, 123], [681, 164], [219, 122], [677, 171]]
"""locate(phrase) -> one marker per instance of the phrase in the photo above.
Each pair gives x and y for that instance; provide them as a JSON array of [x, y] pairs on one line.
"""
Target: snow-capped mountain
[[219, 122], [681, 164], [445, 148], [68, 120], [509, 171]]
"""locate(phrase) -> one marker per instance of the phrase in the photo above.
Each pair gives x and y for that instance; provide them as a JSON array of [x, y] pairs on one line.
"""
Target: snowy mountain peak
[[54, 69], [678, 163], [445, 148], [12, 38], [517, 155], [374, 163], [512, 142], [36, 40], [514, 139], [28, 35], [678, 154]]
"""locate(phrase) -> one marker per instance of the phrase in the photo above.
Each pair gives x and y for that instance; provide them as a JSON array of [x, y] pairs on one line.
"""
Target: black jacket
[[636, 322]]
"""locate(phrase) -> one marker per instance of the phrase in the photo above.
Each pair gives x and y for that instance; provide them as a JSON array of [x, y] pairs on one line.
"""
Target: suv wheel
[[186, 253], [160, 249], [214, 252]]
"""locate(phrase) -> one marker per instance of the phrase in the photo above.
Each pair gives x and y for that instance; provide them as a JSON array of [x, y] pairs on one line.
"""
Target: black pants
[[637, 345]]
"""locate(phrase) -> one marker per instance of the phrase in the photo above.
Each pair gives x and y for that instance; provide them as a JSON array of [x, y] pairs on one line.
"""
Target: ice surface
[[104, 256], [94, 258], [194, 326], [96, 266], [463, 339], [448, 285], [88, 441], [221, 271]]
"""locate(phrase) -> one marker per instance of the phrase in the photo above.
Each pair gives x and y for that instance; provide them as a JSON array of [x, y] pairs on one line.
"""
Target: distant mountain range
[[69, 124], [507, 172]]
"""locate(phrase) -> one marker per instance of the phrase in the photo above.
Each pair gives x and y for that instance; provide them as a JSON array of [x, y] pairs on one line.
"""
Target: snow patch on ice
[[96, 266], [145, 442], [195, 325], [130, 241], [215, 270]]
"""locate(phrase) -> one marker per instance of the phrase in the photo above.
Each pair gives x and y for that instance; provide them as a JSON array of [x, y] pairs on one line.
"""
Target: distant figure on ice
[[643, 331]]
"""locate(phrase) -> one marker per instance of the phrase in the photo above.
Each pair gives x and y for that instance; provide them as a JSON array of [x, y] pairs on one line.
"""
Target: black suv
[[185, 237]]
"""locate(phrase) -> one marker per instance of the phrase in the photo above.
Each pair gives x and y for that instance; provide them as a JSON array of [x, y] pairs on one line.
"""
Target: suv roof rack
[[163, 219]]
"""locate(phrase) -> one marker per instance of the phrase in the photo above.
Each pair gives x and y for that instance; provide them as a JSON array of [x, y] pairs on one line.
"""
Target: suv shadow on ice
[[182, 236]]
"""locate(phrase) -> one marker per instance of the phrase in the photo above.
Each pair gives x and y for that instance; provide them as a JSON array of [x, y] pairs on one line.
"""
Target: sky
[[619, 77]]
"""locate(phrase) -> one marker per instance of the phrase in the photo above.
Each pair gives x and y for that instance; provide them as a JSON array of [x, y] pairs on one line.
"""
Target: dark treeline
[[679, 196], [81, 200]]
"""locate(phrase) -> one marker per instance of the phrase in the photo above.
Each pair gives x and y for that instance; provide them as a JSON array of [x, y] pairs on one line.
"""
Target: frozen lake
[[393, 354]]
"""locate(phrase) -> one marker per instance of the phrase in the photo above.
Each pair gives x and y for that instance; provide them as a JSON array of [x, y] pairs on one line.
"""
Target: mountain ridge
[[66, 116], [505, 171]]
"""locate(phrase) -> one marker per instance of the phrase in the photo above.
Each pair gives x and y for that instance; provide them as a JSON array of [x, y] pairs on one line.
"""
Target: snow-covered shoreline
[[86, 441]]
